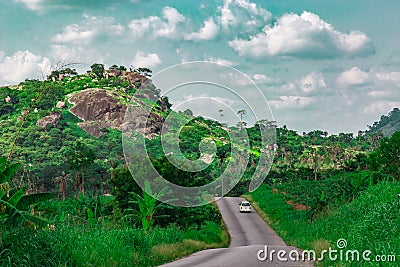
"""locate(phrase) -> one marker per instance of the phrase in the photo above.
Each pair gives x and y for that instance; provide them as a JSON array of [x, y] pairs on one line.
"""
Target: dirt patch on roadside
[[297, 206]]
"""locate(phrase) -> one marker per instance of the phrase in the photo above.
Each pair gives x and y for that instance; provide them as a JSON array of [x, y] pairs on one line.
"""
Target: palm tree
[[241, 113], [220, 115], [80, 157], [62, 181]]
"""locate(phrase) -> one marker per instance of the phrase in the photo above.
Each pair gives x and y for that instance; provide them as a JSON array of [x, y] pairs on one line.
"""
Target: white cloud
[[236, 79], [207, 105], [140, 26], [30, 4], [227, 18], [354, 77], [169, 29], [166, 27], [220, 61], [77, 53], [379, 94], [261, 78], [22, 65], [312, 82], [91, 29], [234, 12], [150, 60], [253, 8], [291, 102], [389, 76], [378, 79], [306, 35], [381, 107], [209, 31]]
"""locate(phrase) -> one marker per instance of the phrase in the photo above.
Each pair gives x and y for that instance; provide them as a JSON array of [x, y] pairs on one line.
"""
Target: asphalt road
[[249, 236]]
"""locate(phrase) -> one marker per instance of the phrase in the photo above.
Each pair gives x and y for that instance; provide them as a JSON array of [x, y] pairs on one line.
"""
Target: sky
[[320, 64]]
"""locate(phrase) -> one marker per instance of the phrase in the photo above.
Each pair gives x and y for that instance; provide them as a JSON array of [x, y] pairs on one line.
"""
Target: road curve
[[249, 234]]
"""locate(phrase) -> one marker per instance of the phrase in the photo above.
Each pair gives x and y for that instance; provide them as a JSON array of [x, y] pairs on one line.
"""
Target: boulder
[[60, 104], [52, 120]]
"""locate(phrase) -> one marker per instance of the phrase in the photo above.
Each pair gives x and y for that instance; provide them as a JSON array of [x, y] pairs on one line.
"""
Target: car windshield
[[245, 204]]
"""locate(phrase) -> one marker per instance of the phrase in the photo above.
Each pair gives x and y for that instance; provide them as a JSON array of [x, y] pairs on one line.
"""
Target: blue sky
[[330, 65]]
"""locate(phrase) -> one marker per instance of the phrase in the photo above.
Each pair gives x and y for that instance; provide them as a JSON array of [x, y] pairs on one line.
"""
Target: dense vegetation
[[70, 196], [98, 215], [358, 203]]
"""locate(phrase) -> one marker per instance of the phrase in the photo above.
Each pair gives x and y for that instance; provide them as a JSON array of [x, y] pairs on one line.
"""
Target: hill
[[68, 128], [387, 125]]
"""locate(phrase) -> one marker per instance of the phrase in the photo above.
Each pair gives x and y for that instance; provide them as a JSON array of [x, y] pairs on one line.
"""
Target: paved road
[[249, 234]]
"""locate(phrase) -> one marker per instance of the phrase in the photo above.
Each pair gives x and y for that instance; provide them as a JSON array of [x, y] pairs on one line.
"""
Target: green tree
[[80, 157], [113, 67], [386, 157], [122, 68], [241, 113], [98, 69], [144, 71], [221, 114], [188, 112]]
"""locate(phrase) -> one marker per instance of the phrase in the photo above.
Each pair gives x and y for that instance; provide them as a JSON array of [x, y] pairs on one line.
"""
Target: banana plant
[[14, 204], [147, 207]]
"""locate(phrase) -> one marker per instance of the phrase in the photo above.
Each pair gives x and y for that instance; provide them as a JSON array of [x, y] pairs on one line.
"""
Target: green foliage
[[330, 192], [370, 222], [14, 209], [86, 209], [147, 207], [122, 183], [79, 157], [7, 171], [386, 157], [14, 205], [144, 71], [98, 69], [47, 94], [95, 246]]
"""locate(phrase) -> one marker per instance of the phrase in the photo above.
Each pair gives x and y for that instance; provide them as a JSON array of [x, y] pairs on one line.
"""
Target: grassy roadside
[[84, 245], [164, 253], [370, 222], [103, 243]]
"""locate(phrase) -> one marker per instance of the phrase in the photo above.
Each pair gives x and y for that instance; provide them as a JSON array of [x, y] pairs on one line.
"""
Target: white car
[[244, 206]]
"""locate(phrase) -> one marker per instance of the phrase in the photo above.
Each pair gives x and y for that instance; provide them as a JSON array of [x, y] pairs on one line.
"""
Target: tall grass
[[370, 222], [83, 245]]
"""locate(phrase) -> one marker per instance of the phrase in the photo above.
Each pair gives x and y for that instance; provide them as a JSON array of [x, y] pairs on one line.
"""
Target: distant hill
[[387, 125]]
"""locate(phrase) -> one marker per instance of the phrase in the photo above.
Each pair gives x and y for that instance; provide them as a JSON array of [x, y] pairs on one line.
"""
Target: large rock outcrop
[[98, 109]]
